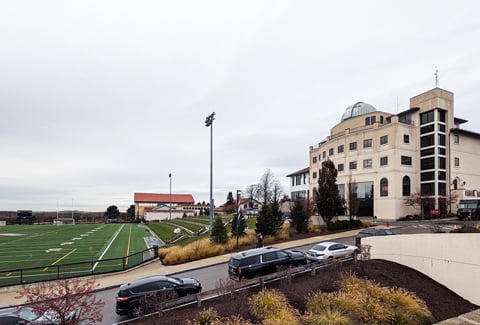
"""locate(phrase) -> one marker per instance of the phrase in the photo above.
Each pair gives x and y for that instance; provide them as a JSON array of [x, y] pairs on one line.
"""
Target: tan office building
[[385, 158]]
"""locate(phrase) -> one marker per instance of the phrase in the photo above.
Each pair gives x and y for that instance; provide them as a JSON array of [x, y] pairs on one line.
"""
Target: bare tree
[[63, 299], [268, 187]]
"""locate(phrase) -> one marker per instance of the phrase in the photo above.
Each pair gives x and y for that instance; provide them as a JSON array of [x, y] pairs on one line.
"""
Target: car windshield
[[28, 314], [319, 247], [175, 280]]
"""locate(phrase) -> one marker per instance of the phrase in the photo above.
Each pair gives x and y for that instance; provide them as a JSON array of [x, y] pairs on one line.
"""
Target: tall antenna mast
[[436, 77]]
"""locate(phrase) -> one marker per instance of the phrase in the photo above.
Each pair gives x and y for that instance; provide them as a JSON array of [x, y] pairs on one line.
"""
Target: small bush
[[266, 304], [207, 316], [344, 224], [315, 228]]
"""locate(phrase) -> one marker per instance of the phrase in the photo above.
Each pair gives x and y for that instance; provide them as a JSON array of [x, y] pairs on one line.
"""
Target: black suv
[[261, 261], [368, 232], [141, 296]]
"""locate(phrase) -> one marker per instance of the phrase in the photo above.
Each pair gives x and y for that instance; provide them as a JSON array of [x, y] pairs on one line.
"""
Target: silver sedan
[[327, 250]]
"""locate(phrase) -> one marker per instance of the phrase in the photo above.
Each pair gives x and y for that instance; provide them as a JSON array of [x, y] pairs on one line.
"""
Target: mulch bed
[[442, 302]]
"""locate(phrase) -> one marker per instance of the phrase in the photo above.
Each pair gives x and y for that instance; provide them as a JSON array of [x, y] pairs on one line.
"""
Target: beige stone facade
[[392, 156]]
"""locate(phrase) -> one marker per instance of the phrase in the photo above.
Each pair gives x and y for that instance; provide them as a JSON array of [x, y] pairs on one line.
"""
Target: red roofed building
[[156, 206]]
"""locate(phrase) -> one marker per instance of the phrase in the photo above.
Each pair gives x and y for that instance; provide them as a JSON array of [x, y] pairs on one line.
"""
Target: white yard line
[[108, 246]]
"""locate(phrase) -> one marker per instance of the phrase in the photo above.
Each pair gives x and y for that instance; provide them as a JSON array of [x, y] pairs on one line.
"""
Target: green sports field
[[43, 251]]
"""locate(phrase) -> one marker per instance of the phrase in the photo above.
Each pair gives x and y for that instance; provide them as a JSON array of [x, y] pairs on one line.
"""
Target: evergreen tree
[[328, 197], [131, 213], [264, 224], [299, 216], [112, 213], [219, 233], [241, 227]]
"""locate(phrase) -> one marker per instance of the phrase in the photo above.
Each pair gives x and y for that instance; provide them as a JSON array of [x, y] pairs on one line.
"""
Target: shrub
[[315, 228], [327, 316], [207, 316], [266, 303]]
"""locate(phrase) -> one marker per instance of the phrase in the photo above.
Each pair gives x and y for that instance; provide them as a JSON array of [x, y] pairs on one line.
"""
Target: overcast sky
[[102, 99]]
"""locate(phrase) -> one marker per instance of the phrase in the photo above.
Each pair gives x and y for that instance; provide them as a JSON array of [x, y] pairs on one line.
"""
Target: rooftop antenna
[[436, 77]]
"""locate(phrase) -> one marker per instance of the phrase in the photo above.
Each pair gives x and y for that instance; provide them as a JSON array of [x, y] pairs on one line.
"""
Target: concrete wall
[[450, 259]]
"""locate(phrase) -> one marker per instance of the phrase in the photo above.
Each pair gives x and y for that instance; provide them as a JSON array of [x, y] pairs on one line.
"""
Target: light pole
[[170, 215], [209, 123], [238, 214]]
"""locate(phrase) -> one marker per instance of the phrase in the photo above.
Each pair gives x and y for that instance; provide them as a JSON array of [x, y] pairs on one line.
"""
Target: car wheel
[[136, 310]]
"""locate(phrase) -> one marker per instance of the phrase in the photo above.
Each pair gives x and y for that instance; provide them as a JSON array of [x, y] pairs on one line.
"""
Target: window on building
[[330, 152], [406, 138], [427, 152], [441, 139], [340, 167], [441, 162], [384, 139], [441, 127], [340, 148], [383, 187], [367, 143], [353, 146], [442, 116], [324, 155], [314, 159], [428, 140], [456, 139], [353, 165], [406, 160], [427, 117], [442, 188], [455, 184], [427, 189], [441, 151], [298, 179], [314, 175], [367, 163], [384, 161], [456, 162], [427, 163], [406, 186], [373, 119], [427, 129], [427, 176], [367, 120], [442, 175]]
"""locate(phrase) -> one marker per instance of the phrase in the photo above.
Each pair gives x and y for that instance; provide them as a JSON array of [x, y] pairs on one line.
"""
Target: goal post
[[63, 221]]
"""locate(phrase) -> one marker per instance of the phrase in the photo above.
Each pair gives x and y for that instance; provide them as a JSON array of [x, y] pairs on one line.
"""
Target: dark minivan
[[261, 261]]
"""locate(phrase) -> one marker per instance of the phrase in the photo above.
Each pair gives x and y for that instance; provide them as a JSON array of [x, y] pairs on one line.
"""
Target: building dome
[[357, 109]]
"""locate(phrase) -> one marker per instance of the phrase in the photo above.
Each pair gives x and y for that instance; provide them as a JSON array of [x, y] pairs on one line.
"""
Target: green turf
[[48, 249]]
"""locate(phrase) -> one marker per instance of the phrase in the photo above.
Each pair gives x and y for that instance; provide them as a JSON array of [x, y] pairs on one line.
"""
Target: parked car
[[141, 296], [261, 261], [328, 250], [27, 315], [368, 232]]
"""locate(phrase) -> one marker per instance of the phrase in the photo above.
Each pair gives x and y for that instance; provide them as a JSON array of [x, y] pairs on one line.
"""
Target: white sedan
[[327, 250]]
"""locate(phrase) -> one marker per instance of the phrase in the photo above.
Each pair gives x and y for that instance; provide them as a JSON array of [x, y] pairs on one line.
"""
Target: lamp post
[[238, 214], [209, 123], [170, 215]]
